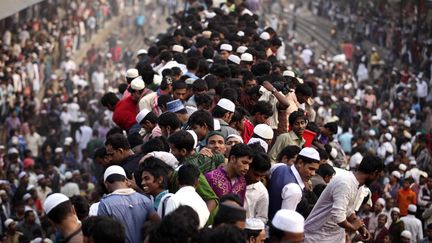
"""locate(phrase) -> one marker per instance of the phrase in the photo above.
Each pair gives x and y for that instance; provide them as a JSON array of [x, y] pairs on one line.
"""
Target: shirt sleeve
[[102, 210], [262, 206], [291, 196], [340, 195], [171, 205], [277, 147], [204, 189]]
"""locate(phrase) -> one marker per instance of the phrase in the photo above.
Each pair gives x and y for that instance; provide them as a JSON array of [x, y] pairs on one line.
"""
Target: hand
[[357, 223], [206, 152], [145, 157], [267, 85], [131, 183], [365, 235]]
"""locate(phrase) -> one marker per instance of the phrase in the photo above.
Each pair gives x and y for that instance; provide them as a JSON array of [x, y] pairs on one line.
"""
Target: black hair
[[182, 140], [256, 146], [221, 234], [166, 73], [169, 119], [260, 162], [157, 168], [134, 139], [304, 89], [324, 155], [262, 68], [263, 107], [203, 100], [60, 212], [219, 112], [81, 206], [108, 230], [192, 63], [122, 88], [165, 56], [247, 75], [164, 99], [199, 85], [155, 144], [188, 175], [176, 71], [276, 233], [290, 151], [179, 85], [118, 141], [325, 170], [230, 93], [371, 164], [295, 115], [109, 99], [114, 130], [151, 117], [115, 178], [202, 118], [332, 127], [99, 153], [229, 214], [241, 150], [251, 233]]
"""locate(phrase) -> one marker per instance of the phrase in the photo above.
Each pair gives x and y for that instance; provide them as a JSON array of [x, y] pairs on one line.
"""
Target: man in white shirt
[[98, 79], [413, 224], [188, 180]]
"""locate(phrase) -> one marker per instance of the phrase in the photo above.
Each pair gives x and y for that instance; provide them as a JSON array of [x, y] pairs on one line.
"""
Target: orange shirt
[[405, 198]]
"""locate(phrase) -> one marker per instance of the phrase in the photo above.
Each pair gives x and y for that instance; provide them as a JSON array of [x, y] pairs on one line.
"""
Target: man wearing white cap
[[225, 50], [334, 212], [288, 182], [407, 237], [224, 112], [287, 226], [61, 213], [12, 233], [255, 230], [148, 121], [378, 208], [42, 189], [413, 224], [263, 134], [125, 205]]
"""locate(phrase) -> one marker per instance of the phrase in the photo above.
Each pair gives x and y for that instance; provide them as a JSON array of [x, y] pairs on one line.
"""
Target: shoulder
[[292, 188]]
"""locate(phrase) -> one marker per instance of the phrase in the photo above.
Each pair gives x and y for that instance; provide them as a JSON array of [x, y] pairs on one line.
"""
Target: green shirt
[[284, 140], [205, 163]]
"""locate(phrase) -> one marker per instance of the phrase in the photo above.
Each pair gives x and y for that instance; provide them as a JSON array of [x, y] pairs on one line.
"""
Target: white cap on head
[[407, 134], [13, 150], [58, 150], [21, 175], [254, 224], [236, 137], [261, 142], [390, 128], [141, 51], [240, 33], [395, 209], [396, 174], [141, 115], [406, 234], [372, 133], [68, 175], [53, 201], [289, 221], [241, 49], [40, 177], [246, 57], [383, 123], [264, 131], [8, 222], [226, 104], [412, 208], [407, 123], [226, 47], [402, 167], [207, 34], [404, 147], [288, 73], [132, 73], [166, 157], [178, 48], [234, 58], [265, 35], [413, 162], [137, 83], [381, 201], [195, 137], [26, 196], [388, 136], [114, 170], [355, 160], [310, 153]]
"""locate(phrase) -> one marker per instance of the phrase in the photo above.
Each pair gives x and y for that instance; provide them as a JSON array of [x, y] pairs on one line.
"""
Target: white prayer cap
[[413, 162], [58, 150], [39, 240], [21, 175], [236, 137], [68, 175], [2, 147], [300, 80], [234, 58], [8, 222], [241, 49], [264, 131], [402, 167], [207, 34], [383, 123], [381, 201], [406, 234], [288, 73], [137, 83], [395, 209], [157, 79], [407, 134], [132, 73], [396, 174], [141, 115], [13, 150], [68, 141], [254, 224], [246, 57], [390, 128], [261, 142], [310, 153], [226, 104], [374, 118], [40, 177], [265, 35], [195, 137], [114, 170], [30, 187], [412, 208], [404, 147], [388, 136], [372, 133], [355, 160], [26, 196], [348, 86], [53, 201], [241, 34], [3, 192], [346, 99], [141, 51], [177, 48], [216, 125], [333, 98], [166, 157], [226, 47], [288, 221], [407, 123]]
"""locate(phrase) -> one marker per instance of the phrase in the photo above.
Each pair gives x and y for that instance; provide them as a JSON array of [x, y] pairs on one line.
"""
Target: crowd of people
[[212, 134]]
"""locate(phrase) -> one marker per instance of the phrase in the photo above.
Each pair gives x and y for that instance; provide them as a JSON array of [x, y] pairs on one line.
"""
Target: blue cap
[[175, 105]]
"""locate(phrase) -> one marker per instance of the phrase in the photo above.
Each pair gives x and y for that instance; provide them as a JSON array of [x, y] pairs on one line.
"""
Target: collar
[[294, 136], [187, 188], [123, 191], [298, 177]]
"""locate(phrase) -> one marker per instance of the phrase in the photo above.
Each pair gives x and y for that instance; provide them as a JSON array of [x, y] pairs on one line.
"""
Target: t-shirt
[[125, 112]]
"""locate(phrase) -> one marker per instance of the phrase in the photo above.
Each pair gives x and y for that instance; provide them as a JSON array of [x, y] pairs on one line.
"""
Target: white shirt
[[292, 192], [413, 225], [70, 189], [422, 89], [98, 79], [83, 136], [257, 201], [188, 196]]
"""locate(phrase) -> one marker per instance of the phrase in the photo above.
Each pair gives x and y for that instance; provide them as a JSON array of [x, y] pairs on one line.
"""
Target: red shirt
[[248, 131], [125, 113]]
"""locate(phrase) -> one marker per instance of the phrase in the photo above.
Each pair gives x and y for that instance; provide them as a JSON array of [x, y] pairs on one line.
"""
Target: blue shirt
[[128, 207], [345, 141], [158, 198]]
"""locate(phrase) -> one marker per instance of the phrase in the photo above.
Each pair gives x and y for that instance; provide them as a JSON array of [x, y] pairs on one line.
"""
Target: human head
[[303, 92], [154, 176], [261, 111], [258, 169], [216, 142], [307, 163], [81, 206], [230, 213], [136, 88], [115, 178], [382, 220], [179, 89], [371, 166], [224, 110], [326, 171], [230, 141], [101, 157], [298, 122], [201, 122], [188, 175], [103, 229], [117, 147], [147, 119], [255, 230], [240, 159], [168, 123], [58, 208], [109, 100], [405, 236], [287, 226], [395, 214], [288, 155], [181, 144]]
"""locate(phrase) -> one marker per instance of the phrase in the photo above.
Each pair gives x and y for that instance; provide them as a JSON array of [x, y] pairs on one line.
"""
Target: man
[[223, 112], [125, 205], [287, 183], [29, 227], [381, 231], [43, 190], [148, 121], [70, 188], [262, 134], [406, 237], [13, 235], [225, 50], [201, 122], [216, 142], [334, 212], [323, 175], [230, 178], [255, 230], [169, 123], [300, 98], [287, 226], [405, 197], [413, 224], [397, 226], [61, 213], [179, 91], [188, 181], [257, 197], [177, 107], [378, 210], [297, 123]]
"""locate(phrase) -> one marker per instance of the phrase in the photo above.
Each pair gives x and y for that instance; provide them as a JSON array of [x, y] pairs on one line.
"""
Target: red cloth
[[125, 113], [248, 131]]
